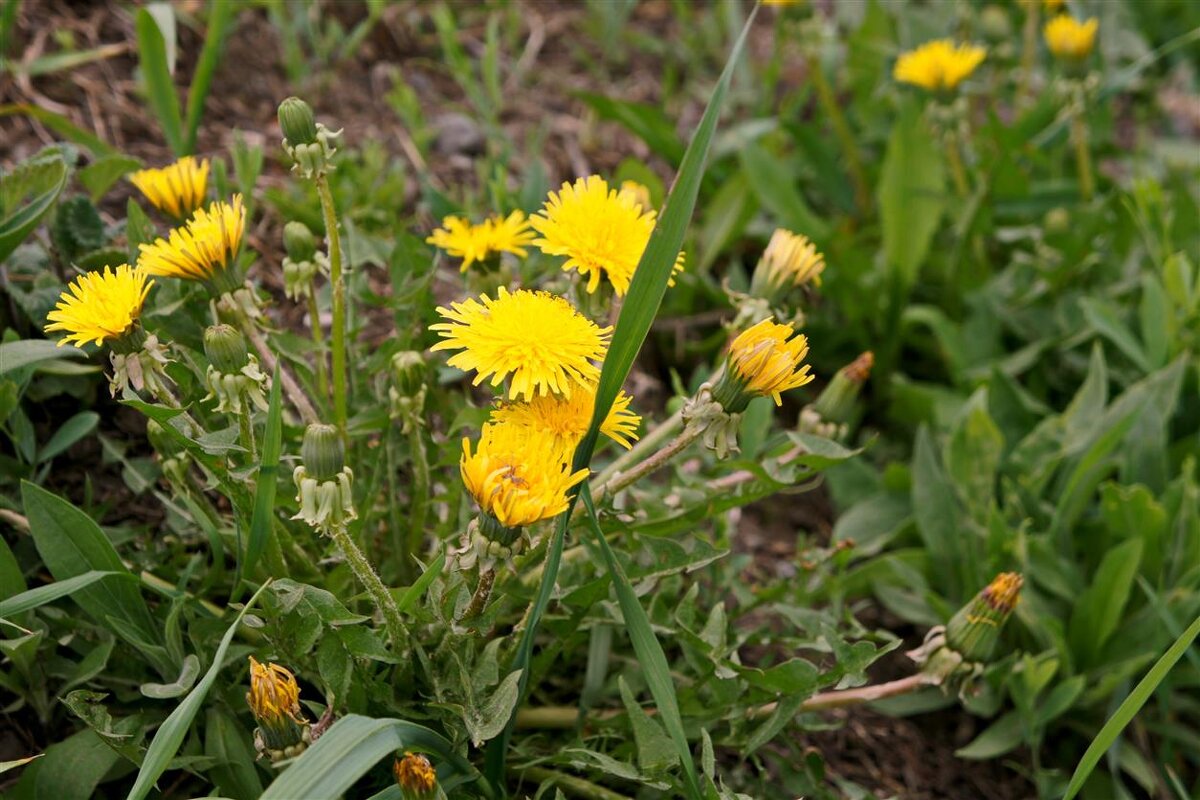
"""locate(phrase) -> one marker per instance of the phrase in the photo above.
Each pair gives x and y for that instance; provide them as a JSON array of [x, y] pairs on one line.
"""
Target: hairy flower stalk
[[406, 396], [274, 699], [324, 486], [303, 263]]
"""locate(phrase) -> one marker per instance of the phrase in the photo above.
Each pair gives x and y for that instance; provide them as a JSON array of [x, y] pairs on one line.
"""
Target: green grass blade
[[353, 746], [170, 735], [268, 481], [41, 595], [413, 593], [649, 652], [160, 89], [645, 295], [62, 126], [219, 14], [1129, 708]]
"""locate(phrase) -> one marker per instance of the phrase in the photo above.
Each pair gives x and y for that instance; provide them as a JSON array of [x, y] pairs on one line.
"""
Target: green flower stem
[[368, 578], [650, 464], [290, 387], [338, 285], [957, 172], [651, 441], [399, 535], [318, 337], [841, 129], [1083, 155], [419, 497], [1028, 52], [246, 428], [570, 784]]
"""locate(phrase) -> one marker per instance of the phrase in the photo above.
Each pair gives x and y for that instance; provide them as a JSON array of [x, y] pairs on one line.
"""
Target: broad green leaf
[[353, 746], [973, 455], [235, 775], [937, 513], [1002, 736], [170, 735], [413, 593], [912, 193], [655, 750], [68, 434], [1129, 709], [153, 58], [1104, 321], [26, 352], [99, 176], [267, 481], [17, 221], [776, 188], [12, 580], [74, 767], [1098, 610]]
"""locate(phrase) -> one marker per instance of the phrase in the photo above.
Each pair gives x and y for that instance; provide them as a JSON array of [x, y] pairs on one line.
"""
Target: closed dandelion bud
[[323, 452], [409, 370], [226, 348], [1057, 221], [324, 484], [836, 402], [790, 260], [233, 377], [415, 776], [299, 241], [297, 122], [974, 631], [274, 700]]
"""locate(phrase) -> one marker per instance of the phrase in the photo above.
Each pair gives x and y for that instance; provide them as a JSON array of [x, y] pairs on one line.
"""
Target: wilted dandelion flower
[[975, 629], [790, 260], [1069, 39], [100, 306], [567, 419], [516, 475], [177, 189], [274, 699], [476, 243], [938, 66], [537, 338], [202, 250], [767, 359], [415, 776]]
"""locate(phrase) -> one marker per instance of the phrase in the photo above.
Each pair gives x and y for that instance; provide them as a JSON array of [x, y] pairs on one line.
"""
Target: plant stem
[[650, 464], [651, 441], [318, 336], [487, 579], [290, 387], [570, 784], [845, 137], [399, 539], [1028, 52], [419, 498], [957, 172], [338, 286], [368, 578], [247, 432], [1083, 156]]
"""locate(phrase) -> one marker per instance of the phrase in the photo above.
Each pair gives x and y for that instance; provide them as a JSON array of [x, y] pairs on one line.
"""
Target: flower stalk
[[1083, 155], [338, 289], [362, 569], [841, 130]]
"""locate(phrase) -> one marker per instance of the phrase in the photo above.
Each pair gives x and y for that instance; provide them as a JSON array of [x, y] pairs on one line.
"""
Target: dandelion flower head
[[476, 243], [100, 306], [566, 419], [203, 248], [938, 66], [177, 189], [1070, 39], [768, 358]]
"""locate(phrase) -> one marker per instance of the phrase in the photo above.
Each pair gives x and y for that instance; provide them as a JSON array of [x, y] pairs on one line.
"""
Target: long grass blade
[[645, 295], [649, 652], [219, 14], [1129, 709], [268, 481], [41, 595], [170, 736], [62, 126], [160, 89]]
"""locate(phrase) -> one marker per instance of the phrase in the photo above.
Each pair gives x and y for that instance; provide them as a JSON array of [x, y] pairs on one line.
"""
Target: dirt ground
[[908, 758]]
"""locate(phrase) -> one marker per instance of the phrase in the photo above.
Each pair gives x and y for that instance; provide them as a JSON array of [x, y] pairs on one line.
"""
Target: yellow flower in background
[[767, 359], [475, 243], [202, 249], [177, 189], [637, 192], [415, 776], [567, 419], [789, 260], [601, 231], [99, 306], [940, 65], [1069, 39], [1053, 6], [516, 475], [537, 338]]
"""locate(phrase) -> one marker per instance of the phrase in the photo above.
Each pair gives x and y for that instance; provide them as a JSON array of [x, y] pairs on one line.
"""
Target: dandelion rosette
[[102, 306], [203, 250], [938, 66], [415, 776], [274, 700], [566, 420], [537, 339], [177, 189], [1069, 40], [518, 477], [790, 260], [601, 231]]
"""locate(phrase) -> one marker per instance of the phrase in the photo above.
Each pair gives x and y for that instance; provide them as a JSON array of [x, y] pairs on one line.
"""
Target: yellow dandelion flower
[[638, 193], [476, 243], [938, 66], [537, 338], [510, 234], [567, 419], [767, 359], [414, 775], [1070, 39], [789, 260], [177, 189], [516, 475], [202, 250], [274, 695], [100, 306], [602, 232]]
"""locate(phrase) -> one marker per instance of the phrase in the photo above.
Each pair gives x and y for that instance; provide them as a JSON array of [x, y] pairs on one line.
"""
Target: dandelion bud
[[226, 348], [790, 260], [415, 776], [975, 629], [323, 452], [299, 241], [836, 402], [763, 361], [274, 700], [408, 370], [994, 24], [297, 122]]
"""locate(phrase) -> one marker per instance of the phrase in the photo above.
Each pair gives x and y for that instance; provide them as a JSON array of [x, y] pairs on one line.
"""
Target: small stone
[[457, 134]]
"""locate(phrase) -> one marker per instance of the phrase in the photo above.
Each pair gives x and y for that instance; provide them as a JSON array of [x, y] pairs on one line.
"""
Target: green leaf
[[775, 186], [62, 126], [23, 353], [153, 61], [1099, 608], [41, 595], [1002, 736], [353, 746], [973, 454], [48, 179], [227, 742], [6, 766], [1104, 321], [645, 121], [74, 767], [219, 15], [99, 176], [911, 193], [649, 652], [489, 721], [171, 733], [655, 750], [267, 482], [937, 512], [1129, 709], [68, 434], [413, 593]]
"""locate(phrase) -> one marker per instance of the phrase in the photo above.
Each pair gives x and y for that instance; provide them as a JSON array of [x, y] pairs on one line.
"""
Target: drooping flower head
[[177, 189], [790, 260], [765, 360], [100, 306], [1070, 40], [274, 699], [974, 631], [567, 419], [415, 776], [203, 250], [536, 338], [518, 476], [477, 243], [601, 231], [938, 66]]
